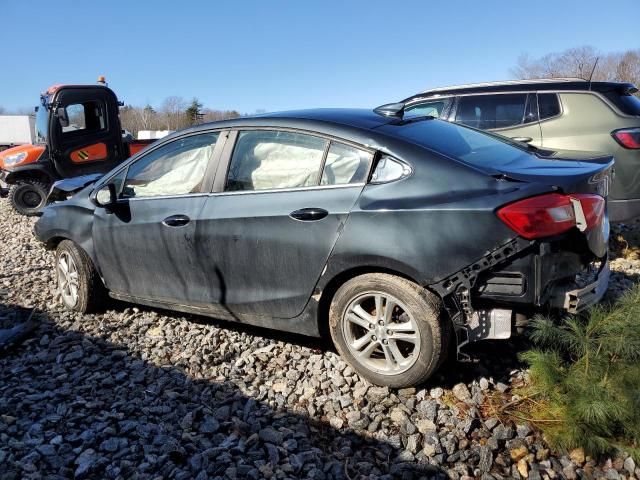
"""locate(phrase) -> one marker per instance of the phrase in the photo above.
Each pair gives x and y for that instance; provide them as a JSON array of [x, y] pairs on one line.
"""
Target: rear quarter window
[[627, 104]]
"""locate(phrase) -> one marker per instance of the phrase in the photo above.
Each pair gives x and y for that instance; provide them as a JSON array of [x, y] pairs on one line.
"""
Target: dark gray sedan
[[391, 235]]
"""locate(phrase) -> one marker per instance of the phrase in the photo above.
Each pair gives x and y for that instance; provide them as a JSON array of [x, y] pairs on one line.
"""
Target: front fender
[[42, 170], [69, 220]]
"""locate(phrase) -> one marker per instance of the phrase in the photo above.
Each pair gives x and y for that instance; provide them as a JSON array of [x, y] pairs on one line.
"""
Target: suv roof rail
[[506, 82]]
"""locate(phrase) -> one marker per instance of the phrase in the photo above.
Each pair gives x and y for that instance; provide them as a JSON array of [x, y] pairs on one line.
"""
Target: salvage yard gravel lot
[[141, 393]]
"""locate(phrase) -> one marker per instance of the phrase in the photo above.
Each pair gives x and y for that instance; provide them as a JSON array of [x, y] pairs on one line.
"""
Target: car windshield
[[42, 123], [462, 143]]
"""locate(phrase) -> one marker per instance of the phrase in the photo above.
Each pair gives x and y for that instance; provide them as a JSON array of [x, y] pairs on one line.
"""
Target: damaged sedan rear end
[[390, 235]]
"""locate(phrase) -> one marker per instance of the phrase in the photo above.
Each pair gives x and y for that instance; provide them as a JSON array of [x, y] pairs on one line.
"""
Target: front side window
[[86, 117], [42, 123], [266, 159], [176, 168], [491, 111], [426, 109]]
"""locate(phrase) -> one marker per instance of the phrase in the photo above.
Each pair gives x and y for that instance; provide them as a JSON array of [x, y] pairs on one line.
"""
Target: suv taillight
[[551, 214], [628, 137]]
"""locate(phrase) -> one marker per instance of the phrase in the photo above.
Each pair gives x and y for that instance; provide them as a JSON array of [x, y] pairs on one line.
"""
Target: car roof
[[351, 123], [552, 84], [353, 117]]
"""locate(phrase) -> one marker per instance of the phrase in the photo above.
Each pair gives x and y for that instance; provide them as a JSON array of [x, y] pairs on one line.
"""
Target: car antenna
[[595, 64]]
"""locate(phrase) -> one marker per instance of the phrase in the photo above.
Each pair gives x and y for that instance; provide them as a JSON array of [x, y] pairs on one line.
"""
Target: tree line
[[174, 114], [582, 62]]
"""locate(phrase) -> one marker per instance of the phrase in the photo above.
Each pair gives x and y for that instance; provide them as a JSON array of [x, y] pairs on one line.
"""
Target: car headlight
[[14, 159]]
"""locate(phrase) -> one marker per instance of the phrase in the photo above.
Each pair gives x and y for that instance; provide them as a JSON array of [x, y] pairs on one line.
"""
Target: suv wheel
[[388, 329], [79, 284], [28, 197]]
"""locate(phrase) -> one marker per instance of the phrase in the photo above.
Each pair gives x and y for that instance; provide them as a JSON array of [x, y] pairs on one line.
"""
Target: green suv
[[554, 114]]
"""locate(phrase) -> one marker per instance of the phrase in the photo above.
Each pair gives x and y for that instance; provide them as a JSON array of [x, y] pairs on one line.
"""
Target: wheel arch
[[30, 172], [337, 280]]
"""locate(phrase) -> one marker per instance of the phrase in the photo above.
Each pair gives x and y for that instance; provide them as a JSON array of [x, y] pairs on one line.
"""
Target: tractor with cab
[[77, 132]]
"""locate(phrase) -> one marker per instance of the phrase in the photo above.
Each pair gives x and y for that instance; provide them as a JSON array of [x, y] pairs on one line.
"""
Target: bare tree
[[2, 110], [147, 117], [172, 112], [579, 62]]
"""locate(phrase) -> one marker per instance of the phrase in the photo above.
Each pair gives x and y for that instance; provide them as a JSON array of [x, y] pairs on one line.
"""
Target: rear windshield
[[462, 143], [628, 104]]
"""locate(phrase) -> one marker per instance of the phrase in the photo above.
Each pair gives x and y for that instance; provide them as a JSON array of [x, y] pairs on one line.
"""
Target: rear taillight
[[628, 137], [592, 208], [552, 214]]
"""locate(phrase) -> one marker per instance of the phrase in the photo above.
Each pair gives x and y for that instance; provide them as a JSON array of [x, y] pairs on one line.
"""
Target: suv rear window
[[628, 104]]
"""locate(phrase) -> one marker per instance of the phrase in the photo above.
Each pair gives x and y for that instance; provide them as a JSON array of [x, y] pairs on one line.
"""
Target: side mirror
[[105, 196], [61, 113]]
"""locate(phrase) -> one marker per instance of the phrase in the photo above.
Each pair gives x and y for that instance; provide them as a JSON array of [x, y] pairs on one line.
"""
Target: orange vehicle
[[77, 132]]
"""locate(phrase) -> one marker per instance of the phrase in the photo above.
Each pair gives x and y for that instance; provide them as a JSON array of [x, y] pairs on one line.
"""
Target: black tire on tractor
[[397, 314], [87, 293], [28, 197]]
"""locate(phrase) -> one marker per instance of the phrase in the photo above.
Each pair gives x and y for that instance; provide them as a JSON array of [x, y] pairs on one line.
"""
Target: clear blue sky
[[276, 55]]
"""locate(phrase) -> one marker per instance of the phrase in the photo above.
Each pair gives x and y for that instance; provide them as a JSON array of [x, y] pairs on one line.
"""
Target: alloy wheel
[[381, 334], [68, 279]]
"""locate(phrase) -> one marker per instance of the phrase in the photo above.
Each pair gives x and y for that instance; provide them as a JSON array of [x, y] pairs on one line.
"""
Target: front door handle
[[522, 139], [309, 214], [176, 221]]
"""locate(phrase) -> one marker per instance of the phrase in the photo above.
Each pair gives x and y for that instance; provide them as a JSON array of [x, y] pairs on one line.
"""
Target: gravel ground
[[142, 393]]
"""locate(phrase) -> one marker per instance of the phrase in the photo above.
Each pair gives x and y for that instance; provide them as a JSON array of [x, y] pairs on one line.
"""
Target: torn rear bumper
[[577, 299]]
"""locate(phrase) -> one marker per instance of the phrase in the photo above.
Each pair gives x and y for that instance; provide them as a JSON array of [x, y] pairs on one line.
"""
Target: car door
[[266, 232], [145, 245], [514, 115], [90, 140]]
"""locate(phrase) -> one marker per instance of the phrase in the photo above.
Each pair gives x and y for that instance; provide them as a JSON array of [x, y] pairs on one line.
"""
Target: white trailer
[[153, 134], [16, 130]]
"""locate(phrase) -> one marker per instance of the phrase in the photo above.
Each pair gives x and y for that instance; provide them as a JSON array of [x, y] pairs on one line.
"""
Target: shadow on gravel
[[492, 359], [72, 405]]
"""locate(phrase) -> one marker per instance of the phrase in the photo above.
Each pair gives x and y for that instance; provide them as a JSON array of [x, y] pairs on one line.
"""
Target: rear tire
[[79, 284], [28, 197], [390, 330]]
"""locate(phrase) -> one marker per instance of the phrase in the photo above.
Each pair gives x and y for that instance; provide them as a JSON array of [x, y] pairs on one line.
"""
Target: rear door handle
[[522, 139], [176, 221], [309, 214]]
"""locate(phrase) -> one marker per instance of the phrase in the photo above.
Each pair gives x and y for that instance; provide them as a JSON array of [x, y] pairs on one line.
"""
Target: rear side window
[[492, 111], [628, 104], [345, 164], [265, 159], [548, 105]]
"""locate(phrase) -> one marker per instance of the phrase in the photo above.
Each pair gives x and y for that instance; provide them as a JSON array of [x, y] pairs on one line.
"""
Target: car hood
[[64, 189], [74, 184]]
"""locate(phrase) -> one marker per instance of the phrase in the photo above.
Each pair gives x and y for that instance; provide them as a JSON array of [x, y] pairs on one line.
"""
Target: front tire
[[28, 197], [388, 329], [79, 284]]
